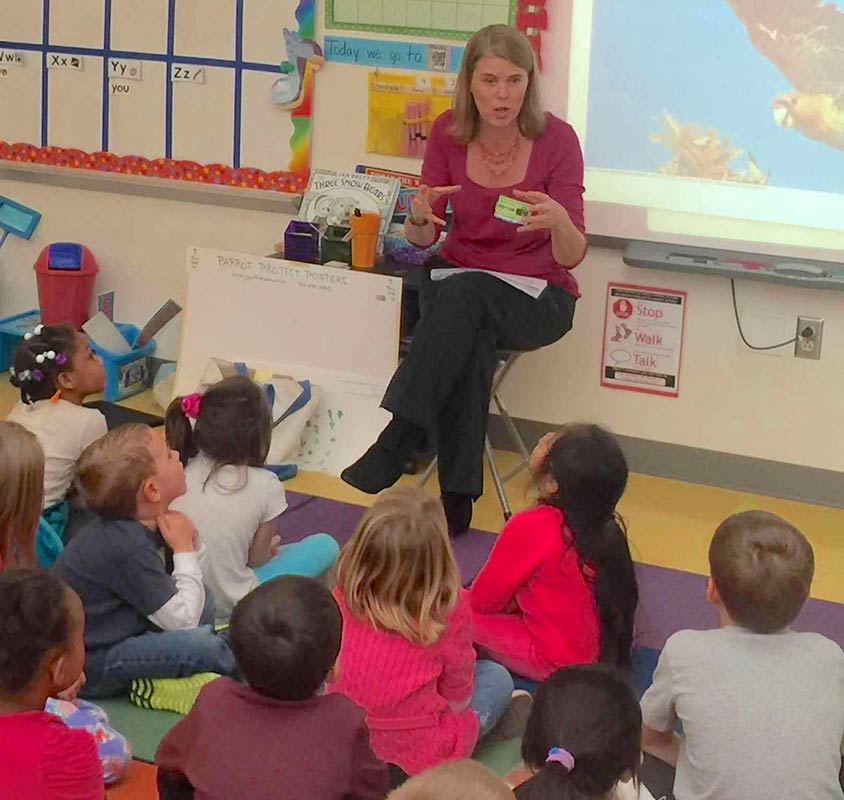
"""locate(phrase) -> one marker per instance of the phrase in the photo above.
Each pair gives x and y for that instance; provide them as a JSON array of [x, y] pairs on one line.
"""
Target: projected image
[[702, 153], [746, 91], [804, 39]]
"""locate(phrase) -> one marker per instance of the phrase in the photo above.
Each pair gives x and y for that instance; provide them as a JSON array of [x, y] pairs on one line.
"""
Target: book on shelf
[[332, 197]]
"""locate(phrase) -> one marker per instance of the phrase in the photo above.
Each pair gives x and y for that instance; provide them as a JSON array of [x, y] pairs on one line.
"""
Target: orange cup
[[364, 239]]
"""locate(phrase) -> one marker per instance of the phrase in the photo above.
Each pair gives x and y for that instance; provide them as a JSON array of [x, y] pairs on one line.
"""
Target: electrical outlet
[[808, 338]]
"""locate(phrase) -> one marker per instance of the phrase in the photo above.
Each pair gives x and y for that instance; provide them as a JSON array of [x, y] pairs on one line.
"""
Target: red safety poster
[[643, 339]]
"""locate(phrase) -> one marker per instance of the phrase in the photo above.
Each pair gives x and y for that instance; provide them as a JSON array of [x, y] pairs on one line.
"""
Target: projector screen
[[710, 122]]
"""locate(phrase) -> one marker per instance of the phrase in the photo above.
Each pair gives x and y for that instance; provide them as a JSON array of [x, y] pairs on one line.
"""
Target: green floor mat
[[143, 728], [501, 757]]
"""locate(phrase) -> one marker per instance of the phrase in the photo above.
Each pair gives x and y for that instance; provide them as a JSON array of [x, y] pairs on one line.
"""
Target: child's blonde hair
[[21, 494], [455, 780], [111, 470], [398, 570]]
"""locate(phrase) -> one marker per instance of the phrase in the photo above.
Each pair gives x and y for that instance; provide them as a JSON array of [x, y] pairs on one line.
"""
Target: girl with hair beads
[[55, 370], [21, 489], [223, 438], [559, 586], [407, 654], [583, 740]]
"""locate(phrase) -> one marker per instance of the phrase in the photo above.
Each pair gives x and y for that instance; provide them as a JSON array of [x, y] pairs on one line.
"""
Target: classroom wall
[[139, 243], [771, 406]]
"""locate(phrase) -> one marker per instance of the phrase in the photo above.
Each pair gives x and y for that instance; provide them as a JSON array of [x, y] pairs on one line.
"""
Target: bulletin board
[[180, 89], [444, 19]]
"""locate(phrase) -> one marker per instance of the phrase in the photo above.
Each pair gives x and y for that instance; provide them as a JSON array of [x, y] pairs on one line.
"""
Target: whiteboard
[[337, 328], [113, 85]]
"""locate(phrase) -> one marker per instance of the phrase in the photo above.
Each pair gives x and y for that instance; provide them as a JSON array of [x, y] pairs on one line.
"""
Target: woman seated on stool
[[495, 142]]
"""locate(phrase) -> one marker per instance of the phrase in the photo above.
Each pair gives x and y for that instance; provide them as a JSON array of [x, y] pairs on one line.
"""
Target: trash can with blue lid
[[66, 272]]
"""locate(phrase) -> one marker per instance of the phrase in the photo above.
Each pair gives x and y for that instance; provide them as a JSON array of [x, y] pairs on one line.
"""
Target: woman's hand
[[420, 207], [545, 212], [568, 244]]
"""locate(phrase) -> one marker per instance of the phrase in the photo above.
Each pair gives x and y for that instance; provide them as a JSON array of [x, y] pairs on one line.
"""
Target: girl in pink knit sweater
[[407, 654]]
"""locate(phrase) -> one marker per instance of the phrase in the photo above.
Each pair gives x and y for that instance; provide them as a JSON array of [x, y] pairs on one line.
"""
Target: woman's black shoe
[[458, 512]]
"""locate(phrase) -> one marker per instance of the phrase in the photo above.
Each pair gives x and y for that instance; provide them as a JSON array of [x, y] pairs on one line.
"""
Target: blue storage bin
[[126, 373], [12, 330]]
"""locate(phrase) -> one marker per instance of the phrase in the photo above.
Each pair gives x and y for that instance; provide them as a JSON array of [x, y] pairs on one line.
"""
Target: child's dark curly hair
[[40, 360], [35, 618]]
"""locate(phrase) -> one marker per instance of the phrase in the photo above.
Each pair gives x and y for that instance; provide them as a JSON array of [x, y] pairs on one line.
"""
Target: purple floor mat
[[308, 514], [669, 599]]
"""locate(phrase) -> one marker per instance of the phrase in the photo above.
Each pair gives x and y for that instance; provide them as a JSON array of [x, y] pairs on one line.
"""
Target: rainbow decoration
[[300, 141]]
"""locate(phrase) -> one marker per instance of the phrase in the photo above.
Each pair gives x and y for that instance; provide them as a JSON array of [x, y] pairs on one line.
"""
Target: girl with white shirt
[[223, 438], [55, 370]]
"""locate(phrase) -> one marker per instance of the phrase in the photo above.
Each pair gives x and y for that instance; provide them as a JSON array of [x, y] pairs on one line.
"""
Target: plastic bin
[[66, 273], [12, 330], [336, 244], [301, 242], [126, 373]]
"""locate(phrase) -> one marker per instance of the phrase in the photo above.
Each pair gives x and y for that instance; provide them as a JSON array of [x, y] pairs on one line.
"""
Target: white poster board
[[337, 328], [643, 339]]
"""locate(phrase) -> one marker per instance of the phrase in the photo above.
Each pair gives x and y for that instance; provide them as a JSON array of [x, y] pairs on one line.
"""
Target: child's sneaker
[[169, 694], [512, 723]]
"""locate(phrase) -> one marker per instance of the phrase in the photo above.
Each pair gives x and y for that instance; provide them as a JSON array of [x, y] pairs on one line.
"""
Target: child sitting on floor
[[141, 621], [41, 655], [223, 438], [456, 780], [55, 370], [21, 490], [559, 586], [583, 738], [407, 654], [761, 706], [277, 736]]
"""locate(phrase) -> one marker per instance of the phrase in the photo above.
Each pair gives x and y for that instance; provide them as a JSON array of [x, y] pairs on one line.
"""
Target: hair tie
[[192, 405], [37, 375], [61, 359], [557, 755], [36, 331]]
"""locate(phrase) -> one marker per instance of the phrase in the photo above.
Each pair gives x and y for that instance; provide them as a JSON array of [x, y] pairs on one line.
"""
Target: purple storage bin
[[301, 241]]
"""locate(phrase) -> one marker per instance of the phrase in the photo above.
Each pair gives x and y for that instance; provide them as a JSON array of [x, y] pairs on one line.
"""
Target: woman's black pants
[[443, 384]]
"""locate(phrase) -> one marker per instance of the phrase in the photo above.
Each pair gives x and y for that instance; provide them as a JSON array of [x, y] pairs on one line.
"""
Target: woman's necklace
[[499, 161]]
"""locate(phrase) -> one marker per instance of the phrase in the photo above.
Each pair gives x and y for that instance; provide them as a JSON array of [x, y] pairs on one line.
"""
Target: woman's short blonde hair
[[398, 570], [455, 780], [504, 42], [21, 494]]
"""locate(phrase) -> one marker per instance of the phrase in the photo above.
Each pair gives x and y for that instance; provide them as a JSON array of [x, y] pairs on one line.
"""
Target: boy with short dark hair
[[278, 736], [761, 706], [141, 622]]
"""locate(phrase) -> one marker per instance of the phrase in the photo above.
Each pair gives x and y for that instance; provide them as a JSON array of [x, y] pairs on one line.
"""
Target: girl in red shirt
[[42, 653], [559, 586]]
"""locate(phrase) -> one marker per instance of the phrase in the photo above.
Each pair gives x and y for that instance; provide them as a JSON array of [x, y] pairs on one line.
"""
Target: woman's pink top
[[476, 238], [534, 569], [416, 697]]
